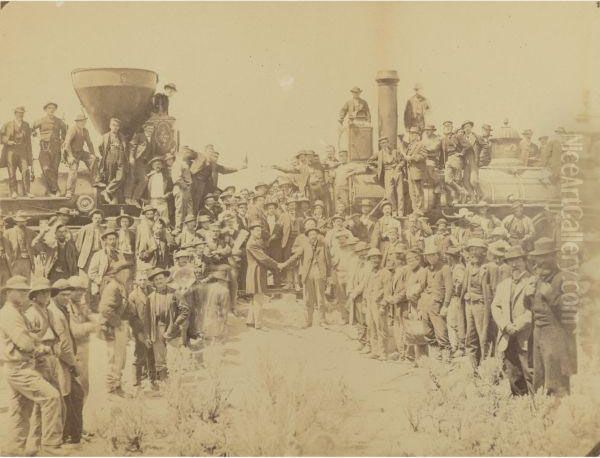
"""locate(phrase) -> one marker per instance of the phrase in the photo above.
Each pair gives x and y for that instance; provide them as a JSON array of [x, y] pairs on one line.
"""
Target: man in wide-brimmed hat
[[436, 297], [383, 225], [356, 109], [17, 153], [103, 259], [70, 385], [82, 326], [57, 260], [76, 138], [114, 164], [513, 320], [554, 306], [19, 349], [125, 236], [21, 240], [519, 226], [88, 239], [476, 310], [52, 132]]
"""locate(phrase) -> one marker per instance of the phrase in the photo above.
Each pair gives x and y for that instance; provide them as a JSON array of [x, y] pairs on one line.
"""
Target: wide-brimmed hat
[[386, 203], [156, 159], [124, 215], [337, 216], [373, 252], [38, 285], [80, 117], [476, 242], [319, 203], [310, 229], [61, 285], [79, 282], [182, 254], [63, 211], [148, 208], [55, 105], [108, 231], [158, 271], [430, 246], [171, 86], [471, 123], [18, 282], [20, 217], [96, 211], [430, 127], [542, 246], [260, 184], [453, 251], [498, 248], [413, 253], [356, 90], [20, 110], [189, 219], [515, 252], [253, 224]]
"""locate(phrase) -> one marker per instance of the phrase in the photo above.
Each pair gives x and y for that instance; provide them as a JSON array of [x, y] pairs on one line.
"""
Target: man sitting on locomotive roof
[[77, 136], [114, 164]]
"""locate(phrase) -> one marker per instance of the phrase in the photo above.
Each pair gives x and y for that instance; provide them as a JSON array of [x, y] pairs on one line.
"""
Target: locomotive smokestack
[[387, 80]]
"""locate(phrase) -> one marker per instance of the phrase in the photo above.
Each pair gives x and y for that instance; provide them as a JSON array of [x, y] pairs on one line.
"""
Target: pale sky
[[268, 79]]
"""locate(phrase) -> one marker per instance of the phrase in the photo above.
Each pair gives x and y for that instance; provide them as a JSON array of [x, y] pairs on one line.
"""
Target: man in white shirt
[[159, 188], [182, 185]]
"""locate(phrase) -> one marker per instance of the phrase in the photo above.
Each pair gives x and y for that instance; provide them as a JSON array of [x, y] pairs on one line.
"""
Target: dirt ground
[[377, 388]]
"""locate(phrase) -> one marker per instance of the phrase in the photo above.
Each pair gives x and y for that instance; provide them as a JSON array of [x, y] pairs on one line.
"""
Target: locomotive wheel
[[85, 204]]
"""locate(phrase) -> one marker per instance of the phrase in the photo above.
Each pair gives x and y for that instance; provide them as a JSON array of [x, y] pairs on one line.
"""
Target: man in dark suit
[[59, 260], [356, 109], [78, 136], [114, 164], [256, 274], [16, 152], [141, 150], [315, 269]]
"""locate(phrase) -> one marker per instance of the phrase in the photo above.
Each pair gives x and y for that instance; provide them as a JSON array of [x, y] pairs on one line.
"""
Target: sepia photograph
[[351, 228]]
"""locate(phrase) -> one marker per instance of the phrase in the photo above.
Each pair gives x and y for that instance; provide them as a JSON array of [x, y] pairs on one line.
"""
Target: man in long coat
[[21, 241], [256, 274], [88, 240], [15, 137], [514, 321], [114, 165]]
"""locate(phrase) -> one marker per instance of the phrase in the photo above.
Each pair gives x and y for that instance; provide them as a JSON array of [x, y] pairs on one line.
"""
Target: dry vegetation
[[283, 408]]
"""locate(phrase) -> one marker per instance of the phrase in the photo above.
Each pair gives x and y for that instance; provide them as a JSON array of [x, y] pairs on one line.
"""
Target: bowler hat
[[38, 285], [542, 246], [356, 90], [20, 110]]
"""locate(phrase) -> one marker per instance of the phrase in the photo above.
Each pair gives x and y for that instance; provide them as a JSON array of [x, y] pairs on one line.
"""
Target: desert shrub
[[288, 410], [463, 413]]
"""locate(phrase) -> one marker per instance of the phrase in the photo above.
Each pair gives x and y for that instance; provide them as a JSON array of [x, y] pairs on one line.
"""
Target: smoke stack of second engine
[[387, 80]]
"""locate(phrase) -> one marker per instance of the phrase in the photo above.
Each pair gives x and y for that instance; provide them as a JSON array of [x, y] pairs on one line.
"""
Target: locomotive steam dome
[[506, 178], [124, 93]]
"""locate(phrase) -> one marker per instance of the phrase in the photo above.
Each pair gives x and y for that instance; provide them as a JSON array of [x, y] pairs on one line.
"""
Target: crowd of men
[[468, 285]]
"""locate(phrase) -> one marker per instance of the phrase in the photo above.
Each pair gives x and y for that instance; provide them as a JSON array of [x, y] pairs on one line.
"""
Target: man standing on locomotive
[[16, 152], [52, 134], [114, 162], [77, 136]]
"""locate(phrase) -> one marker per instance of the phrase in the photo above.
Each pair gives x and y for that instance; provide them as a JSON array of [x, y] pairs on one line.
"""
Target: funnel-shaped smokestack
[[124, 93]]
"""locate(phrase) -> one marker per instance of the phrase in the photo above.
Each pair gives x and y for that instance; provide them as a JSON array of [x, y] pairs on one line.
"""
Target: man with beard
[[66, 349], [554, 322], [416, 109], [16, 152], [519, 226], [514, 321], [58, 261]]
